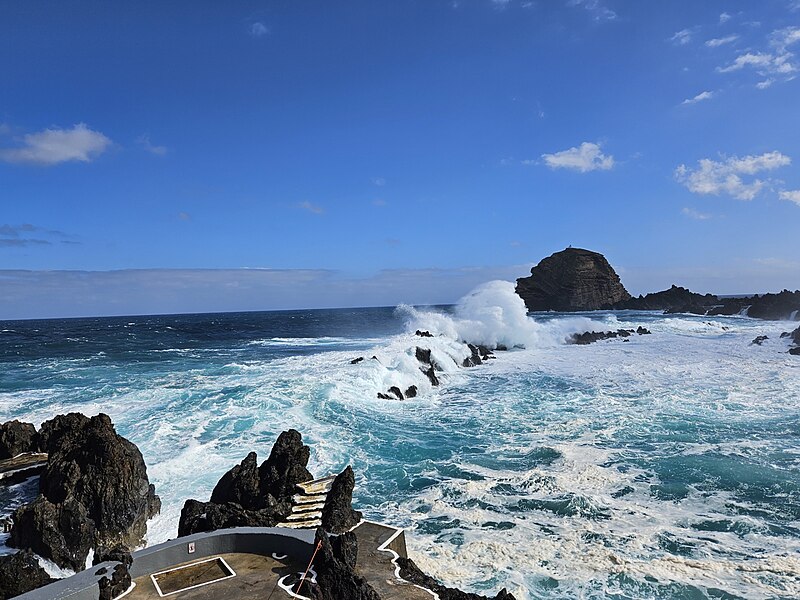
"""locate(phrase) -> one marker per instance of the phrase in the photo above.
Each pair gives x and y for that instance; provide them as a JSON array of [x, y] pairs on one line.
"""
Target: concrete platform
[[21, 467], [256, 577], [378, 546]]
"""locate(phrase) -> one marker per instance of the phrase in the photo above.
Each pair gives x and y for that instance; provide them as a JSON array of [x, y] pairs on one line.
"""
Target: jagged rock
[[589, 337], [336, 575], [242, 485], [570, 280], [120, 581], [199, 516], [382, 396], [485, 352], [286, 465], [355, 361], [397, 392], [431, 375], [17, 437], [759, 340], [411, 572], [423, 355], [795, 351], [642, 330], [338, 515], [783, 305], [423, 333], [411, 392], [20, 573], [112, 554], [475, 357], [63, 532], [674, 300], [94, 491], [795, 335]]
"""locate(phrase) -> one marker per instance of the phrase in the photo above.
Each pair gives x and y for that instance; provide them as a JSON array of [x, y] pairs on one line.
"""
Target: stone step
[[302, 524], [305, 508], [304, 516], [309, 499], [317, 486]]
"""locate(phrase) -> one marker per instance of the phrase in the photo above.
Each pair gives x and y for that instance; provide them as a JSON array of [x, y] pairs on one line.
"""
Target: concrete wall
[[298, 544]]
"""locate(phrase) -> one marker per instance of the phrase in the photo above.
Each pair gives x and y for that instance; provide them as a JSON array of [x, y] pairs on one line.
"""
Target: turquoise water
[[661, 467]]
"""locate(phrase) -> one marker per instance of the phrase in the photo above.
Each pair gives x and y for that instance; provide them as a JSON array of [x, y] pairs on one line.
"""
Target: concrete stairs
[[308, 503]]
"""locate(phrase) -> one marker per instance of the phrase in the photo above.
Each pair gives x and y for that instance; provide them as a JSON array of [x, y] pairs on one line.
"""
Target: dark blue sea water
[[661, 467]]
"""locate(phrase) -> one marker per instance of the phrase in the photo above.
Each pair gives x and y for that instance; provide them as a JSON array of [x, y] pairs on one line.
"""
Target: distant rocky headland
[[580, 280]]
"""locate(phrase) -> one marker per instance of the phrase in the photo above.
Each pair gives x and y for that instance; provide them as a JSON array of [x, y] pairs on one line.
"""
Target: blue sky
[[374, 152]]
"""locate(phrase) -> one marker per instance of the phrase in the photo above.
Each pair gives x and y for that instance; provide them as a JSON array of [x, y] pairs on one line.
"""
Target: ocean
[[659, 466]]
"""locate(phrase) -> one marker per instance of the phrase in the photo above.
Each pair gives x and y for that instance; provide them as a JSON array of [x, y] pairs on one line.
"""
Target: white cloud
[[716, 42], [144, 142], [312, 208], [773, 65], [54, 146], [682, 37], [699, 98], [599, 10], [694, 214], [762, 85], [783, 38], [586, 157], [725, 177], [258, 29], [791, 196], [725, 17]]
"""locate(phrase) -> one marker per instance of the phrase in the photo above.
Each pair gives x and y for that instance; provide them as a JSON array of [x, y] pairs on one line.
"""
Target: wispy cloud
[[598, 10], [312, 208], [791, 196], [695, 214], [55, 146], [728, 176], [18, 236], [725, 17], [683, 37], [717, 42], [584, 158], [775, 64], [144, 142], [379, 181], [258, 29], [699, 98]]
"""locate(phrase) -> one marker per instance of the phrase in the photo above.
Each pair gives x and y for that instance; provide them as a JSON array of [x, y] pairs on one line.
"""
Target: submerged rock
[[396, 392], [423, 333], [572, 280], [17, 437], [411, 392], [94, 491], [411, 572], [759, 340], [20, 573], [338, 515]]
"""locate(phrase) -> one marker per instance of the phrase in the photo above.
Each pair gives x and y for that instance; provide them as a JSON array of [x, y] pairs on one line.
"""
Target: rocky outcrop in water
[[571, 280], [411, 572], [338, 515], [674, 300], [249, 495], [20, 573], [759, 340], [589, 337], [94, 491], [17, 437]]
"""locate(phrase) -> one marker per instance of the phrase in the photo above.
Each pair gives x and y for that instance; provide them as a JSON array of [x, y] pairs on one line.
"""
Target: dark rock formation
[[115, 554], [423, 355], [795, 351], [589, 337], [674, 300], [252, 496], [475, 357], [20, 573], [411, 392], [423, 333], [397, 392], [796, 336], [114, 587], [355, 361], [62, 532], [431, 375], [338, 515], [642, 330], [17, 437], [286, 465], [94, 491], [336, 575], [775, 307], [570, 280], [382, 396], [759, 340], [411, 572]]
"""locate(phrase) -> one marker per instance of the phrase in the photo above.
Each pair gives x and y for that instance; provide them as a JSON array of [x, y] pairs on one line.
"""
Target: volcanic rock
[[411, 392], [336, 575], [795, 351], [94, 491], [397, 392], [242, 485], [17, 437], [355, 361], [674, 300], [120, 581], [759, 340], [589, 337], [423, 355], [431, 375], [286, 465], [20, 573], [338, 515], [423, 333], [199, 516], [570, 280], [412, 573]]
